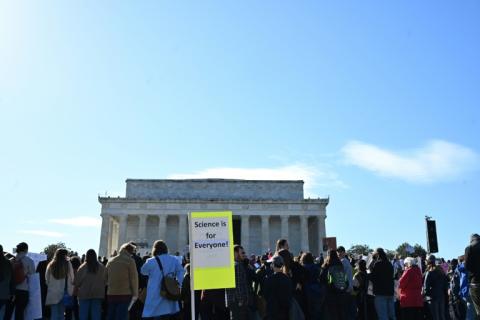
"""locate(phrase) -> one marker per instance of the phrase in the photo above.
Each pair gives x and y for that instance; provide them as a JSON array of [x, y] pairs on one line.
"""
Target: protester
[[360, 290], [334, 277], [434, 288], [122, 282], [382, 277], [347, 266], [238, 298], [298, 276], [59, 279], [23, 268], [72, 311], [410, 291], [136, 310], [457, 306], [212, 305], [42, 270], [156, 268], [7, 285], [262, 273], [278, 292], [90, 281], [472, 264], [314, 292], [464, 290], [251, 278]]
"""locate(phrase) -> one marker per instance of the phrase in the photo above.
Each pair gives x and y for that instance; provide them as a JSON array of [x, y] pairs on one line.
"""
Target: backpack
[[18, 271], [169, 288], [337, 278]]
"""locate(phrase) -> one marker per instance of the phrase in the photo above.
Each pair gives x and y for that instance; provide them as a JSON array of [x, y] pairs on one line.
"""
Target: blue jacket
[[463, 280], [156, 305]]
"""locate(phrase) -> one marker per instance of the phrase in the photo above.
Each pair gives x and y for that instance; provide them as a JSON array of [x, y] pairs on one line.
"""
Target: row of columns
[[107, 241], [284, 230]]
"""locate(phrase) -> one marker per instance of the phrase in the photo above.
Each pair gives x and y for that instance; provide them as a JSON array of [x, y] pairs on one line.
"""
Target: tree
[[419, 251], [359, 249], [405, 250], [51, 248]]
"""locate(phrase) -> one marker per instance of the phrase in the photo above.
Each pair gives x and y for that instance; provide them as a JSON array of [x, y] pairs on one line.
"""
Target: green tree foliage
[[51, 248], [359, 249], [403, 248], [418, 250]]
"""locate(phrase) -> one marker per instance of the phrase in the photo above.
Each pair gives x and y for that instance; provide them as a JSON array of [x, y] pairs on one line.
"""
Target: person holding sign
[[157, 268]]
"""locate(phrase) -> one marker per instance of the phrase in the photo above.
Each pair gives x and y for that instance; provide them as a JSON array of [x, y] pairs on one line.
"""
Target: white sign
[[210, 242], [37, 257], [34, 307]]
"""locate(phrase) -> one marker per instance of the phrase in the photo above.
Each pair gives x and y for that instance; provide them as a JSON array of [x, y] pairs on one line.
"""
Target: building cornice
[[103, 200]]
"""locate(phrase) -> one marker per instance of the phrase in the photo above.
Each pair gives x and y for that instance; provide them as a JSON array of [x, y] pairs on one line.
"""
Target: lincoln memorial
[[263, 211]]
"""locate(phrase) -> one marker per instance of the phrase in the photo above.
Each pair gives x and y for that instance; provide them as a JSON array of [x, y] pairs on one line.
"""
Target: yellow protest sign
[[211, 250]]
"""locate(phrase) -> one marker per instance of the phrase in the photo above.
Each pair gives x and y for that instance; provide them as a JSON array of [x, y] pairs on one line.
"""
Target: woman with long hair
[[360, 289], [298, 275], [334, 277], [90, 282], [59, 277]]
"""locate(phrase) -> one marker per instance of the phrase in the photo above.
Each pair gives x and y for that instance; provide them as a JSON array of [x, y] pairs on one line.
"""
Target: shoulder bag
[[169, 288]]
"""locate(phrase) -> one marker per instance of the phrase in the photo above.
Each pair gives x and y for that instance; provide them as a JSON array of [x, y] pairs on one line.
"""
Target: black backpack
[[337, 278]]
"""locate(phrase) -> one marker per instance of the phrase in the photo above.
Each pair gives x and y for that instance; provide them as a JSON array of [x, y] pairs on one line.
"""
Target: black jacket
[[436, 283], [382, 278], [278, 294], [472, 259]]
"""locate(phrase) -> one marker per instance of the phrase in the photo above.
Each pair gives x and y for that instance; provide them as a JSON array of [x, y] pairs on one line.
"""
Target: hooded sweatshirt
[[472, 259]]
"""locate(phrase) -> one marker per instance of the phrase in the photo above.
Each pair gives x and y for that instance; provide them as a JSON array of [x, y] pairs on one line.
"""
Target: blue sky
[[373, 104]]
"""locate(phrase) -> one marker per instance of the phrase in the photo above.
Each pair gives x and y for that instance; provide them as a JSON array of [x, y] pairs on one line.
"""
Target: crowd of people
[[273, 286]]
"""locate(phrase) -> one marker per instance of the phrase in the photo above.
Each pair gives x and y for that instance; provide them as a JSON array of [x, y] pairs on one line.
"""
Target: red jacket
[[410, 287]]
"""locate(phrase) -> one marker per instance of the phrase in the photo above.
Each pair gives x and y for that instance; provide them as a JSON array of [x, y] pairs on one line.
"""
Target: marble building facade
[[263, 211]]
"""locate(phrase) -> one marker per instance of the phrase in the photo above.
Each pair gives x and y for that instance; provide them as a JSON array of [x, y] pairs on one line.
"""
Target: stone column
[[284, 227], [110, 237], [142, 227], [162, 227], [265, 233], [182, 232], [304, 233], [104, 235], [122, 232], [321, 233], [245, 232]]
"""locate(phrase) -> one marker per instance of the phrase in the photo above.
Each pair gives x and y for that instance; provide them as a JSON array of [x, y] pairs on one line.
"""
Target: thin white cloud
[[438, 160], [313, 177], [81, 221], [42, 233]]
